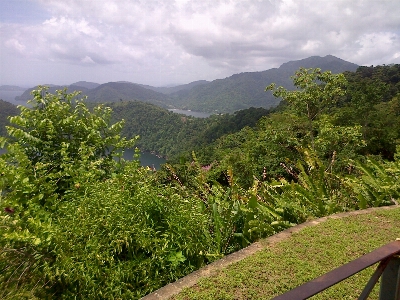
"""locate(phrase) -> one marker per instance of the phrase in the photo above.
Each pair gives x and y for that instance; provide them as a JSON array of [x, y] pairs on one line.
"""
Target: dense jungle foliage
[[365, 121], [79, 222]]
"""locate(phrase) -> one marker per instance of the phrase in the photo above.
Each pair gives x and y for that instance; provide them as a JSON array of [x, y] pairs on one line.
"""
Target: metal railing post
[[390, 280], [374, 279]]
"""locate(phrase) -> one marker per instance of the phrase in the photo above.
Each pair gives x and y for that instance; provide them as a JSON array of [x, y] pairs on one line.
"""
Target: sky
[[167, 42]]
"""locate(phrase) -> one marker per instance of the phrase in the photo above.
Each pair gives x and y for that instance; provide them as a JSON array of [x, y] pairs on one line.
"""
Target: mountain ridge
[[244, 90], [176, 88], [233, 93]]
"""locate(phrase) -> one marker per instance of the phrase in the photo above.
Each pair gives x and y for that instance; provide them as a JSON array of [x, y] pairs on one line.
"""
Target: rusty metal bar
[[335, 276]]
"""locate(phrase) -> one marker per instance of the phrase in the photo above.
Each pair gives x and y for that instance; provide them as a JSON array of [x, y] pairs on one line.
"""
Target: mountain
[[117, 91], [108, 92], [245, 90], [85, 84], [239, 91], [11, 88], [174, 89], [329, 62]]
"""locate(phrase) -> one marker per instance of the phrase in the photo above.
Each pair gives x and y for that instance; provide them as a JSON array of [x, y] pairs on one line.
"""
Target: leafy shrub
[[75, 219], [378, 182], [52, 148], [128, 236]]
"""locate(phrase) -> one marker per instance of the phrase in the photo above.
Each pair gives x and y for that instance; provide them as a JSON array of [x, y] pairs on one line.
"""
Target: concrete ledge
[[175, 287]]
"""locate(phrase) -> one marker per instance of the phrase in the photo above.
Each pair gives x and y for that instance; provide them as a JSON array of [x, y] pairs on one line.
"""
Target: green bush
[[78, 223]]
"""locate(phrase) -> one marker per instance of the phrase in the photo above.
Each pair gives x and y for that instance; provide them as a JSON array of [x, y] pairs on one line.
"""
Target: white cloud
[[87, 60], [377, 47], [209, 38], [14, 44], [311, 46]]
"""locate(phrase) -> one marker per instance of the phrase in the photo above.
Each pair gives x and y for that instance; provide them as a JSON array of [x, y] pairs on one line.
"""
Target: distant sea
[[9, 96]]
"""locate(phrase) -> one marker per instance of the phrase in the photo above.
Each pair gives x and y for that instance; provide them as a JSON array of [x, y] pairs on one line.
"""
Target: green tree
[[58, 142], [55, 150], [369, 93], [315, 93]]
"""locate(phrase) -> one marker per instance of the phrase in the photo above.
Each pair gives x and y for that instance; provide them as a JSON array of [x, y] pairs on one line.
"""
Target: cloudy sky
[[162, 42]]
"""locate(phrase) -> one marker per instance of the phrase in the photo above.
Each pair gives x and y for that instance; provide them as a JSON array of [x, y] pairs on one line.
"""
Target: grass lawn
[[303, 256]]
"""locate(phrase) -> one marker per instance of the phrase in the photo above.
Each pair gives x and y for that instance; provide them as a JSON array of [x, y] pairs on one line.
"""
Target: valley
[[329, 144]]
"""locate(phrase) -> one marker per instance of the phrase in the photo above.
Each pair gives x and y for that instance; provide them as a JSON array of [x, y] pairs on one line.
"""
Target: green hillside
[[370, 110], [170, 134], [117, 91], [174, 89], [109, 92], [6, 109], [245, 90]]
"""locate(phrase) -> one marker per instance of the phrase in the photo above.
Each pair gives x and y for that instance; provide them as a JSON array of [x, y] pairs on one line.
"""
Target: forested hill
[[245, 90], [109, 92], [117, 91], [329, 62], [366, 121], [174, 89], [169, 134], [6, 109], [10, 88], [163, 131], [85, 84], [239, 91]]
